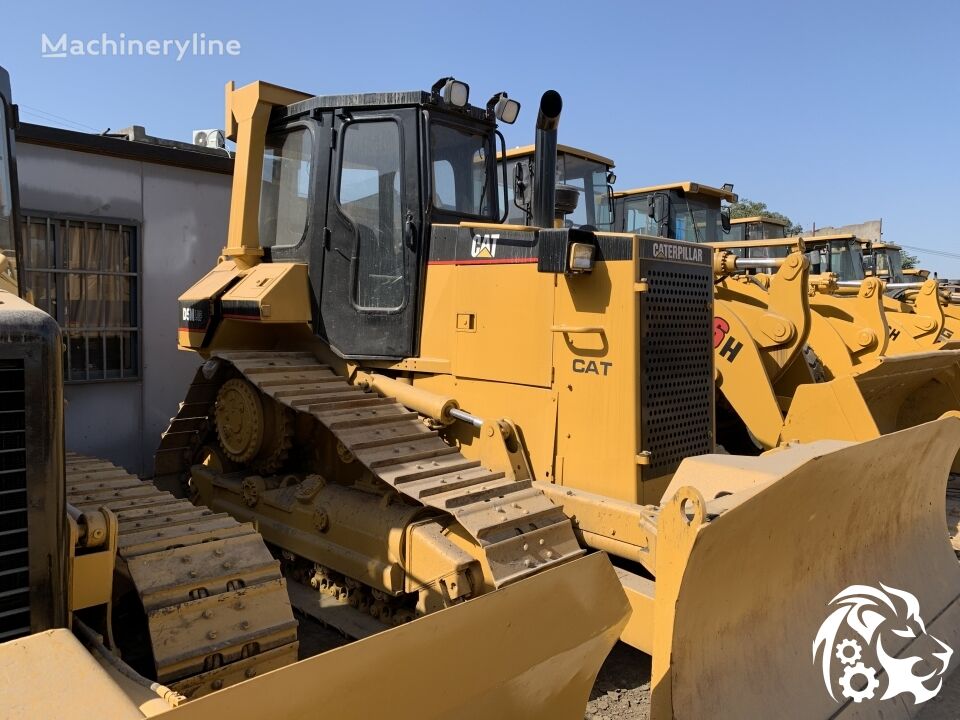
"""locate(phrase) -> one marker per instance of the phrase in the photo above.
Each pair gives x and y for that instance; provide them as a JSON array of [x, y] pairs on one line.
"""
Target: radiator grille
[[676, 364], [14, 545]]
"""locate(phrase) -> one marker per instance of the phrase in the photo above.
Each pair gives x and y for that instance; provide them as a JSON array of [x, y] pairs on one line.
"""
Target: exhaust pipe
[[545, 160]]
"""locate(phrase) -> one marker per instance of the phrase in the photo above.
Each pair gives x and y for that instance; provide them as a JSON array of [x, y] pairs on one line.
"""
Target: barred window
[[86, 274]]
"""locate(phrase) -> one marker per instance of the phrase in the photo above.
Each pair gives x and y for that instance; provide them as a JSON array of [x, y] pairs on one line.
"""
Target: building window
[[86, 274]]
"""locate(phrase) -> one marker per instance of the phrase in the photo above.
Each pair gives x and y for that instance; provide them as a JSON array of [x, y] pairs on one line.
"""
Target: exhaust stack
[[545, 159]]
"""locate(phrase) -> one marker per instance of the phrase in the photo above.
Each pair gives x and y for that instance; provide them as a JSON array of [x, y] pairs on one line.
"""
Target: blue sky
[[831, 112]]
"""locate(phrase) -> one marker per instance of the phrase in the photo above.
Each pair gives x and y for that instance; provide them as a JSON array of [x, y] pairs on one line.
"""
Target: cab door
[[373, 236]]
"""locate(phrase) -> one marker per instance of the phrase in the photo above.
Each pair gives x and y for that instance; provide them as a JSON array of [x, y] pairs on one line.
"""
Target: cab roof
[[687, 186], [363, 101], [525, 150], [758, 218], [788, 241]]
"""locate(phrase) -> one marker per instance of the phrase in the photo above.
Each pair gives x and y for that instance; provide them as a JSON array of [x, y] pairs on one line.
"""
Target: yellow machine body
[[562, 389]]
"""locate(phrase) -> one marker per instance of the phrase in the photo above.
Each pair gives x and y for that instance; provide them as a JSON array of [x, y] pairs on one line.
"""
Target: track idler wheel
[[253, 429]]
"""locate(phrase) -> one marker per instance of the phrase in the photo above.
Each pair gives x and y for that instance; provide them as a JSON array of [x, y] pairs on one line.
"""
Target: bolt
[[227, 565], [208, 614], [250, 672], [212, 635], [193, 573], [526, 546], [218, 552], [245, 625], [185, 559], [216, 684], [239, 605]]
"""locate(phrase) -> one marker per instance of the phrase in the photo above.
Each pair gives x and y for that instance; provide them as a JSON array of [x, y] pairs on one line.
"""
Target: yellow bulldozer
[[134, 603], [421, 406]]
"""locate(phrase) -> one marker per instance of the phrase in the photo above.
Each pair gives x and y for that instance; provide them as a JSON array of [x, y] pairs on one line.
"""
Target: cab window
[[369, 195], [285, 187]]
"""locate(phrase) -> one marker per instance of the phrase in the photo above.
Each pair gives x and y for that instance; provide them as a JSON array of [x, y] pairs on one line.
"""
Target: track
[[216, 604], [518, 528]]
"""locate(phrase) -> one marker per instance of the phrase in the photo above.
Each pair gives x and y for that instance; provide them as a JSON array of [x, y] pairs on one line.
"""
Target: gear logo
[[875, 638]]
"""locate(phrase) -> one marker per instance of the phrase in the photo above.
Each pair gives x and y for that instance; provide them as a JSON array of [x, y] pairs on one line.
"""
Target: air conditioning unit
[[209, 138]]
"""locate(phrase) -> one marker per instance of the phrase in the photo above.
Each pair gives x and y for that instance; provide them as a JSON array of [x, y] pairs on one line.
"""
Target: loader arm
[[859, 321]]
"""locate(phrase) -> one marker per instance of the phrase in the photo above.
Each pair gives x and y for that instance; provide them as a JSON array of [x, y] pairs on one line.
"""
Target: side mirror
[[519, 184], [725, 219], [659, 207]]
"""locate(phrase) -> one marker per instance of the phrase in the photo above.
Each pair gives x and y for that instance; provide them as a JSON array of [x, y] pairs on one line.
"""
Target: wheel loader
[[918, 315], [794, 361], [133, 603], [421, 407]]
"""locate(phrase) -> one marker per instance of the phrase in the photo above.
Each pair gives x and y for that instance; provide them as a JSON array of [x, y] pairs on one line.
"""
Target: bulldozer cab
[[590, 174], [9, 224], [680, 211], [353, 184], [756, 228]]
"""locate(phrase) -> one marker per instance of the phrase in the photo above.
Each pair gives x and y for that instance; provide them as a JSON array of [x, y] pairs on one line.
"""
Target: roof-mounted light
[[611, 177], [727, 187], [452, 91], [503, 108]]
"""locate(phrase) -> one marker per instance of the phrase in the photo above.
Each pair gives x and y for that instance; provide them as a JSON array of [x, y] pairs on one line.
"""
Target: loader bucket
[[748, 584], [888, 394], [529, 650]]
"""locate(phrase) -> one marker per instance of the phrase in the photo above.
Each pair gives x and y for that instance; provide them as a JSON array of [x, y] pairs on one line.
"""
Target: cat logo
[[484, 246]]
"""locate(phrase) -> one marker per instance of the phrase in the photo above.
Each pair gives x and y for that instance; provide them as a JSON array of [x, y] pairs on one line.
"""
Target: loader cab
[[681, 211], [353, 186], [591, 174], [756, 228], [838, 254], [887, 262], [9, 215]]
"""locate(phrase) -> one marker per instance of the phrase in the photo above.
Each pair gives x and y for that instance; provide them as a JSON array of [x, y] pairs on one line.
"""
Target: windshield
[[285, 187], [462, 169], [696, 220], [841, 257], [6, 194], [590, 178], [769, 251], [889, 264], [737, 232], [772, 231], [636, 211]]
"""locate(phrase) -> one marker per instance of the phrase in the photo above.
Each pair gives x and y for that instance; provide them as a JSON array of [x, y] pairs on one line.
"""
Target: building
[[115, 228]]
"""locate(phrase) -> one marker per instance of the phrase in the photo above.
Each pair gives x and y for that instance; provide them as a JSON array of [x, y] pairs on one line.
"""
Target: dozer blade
[[888, 394], [529, 650], [748, 583]]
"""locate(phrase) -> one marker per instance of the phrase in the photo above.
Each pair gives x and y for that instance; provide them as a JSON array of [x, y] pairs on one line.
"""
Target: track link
[[518, 528], [216, 604]]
